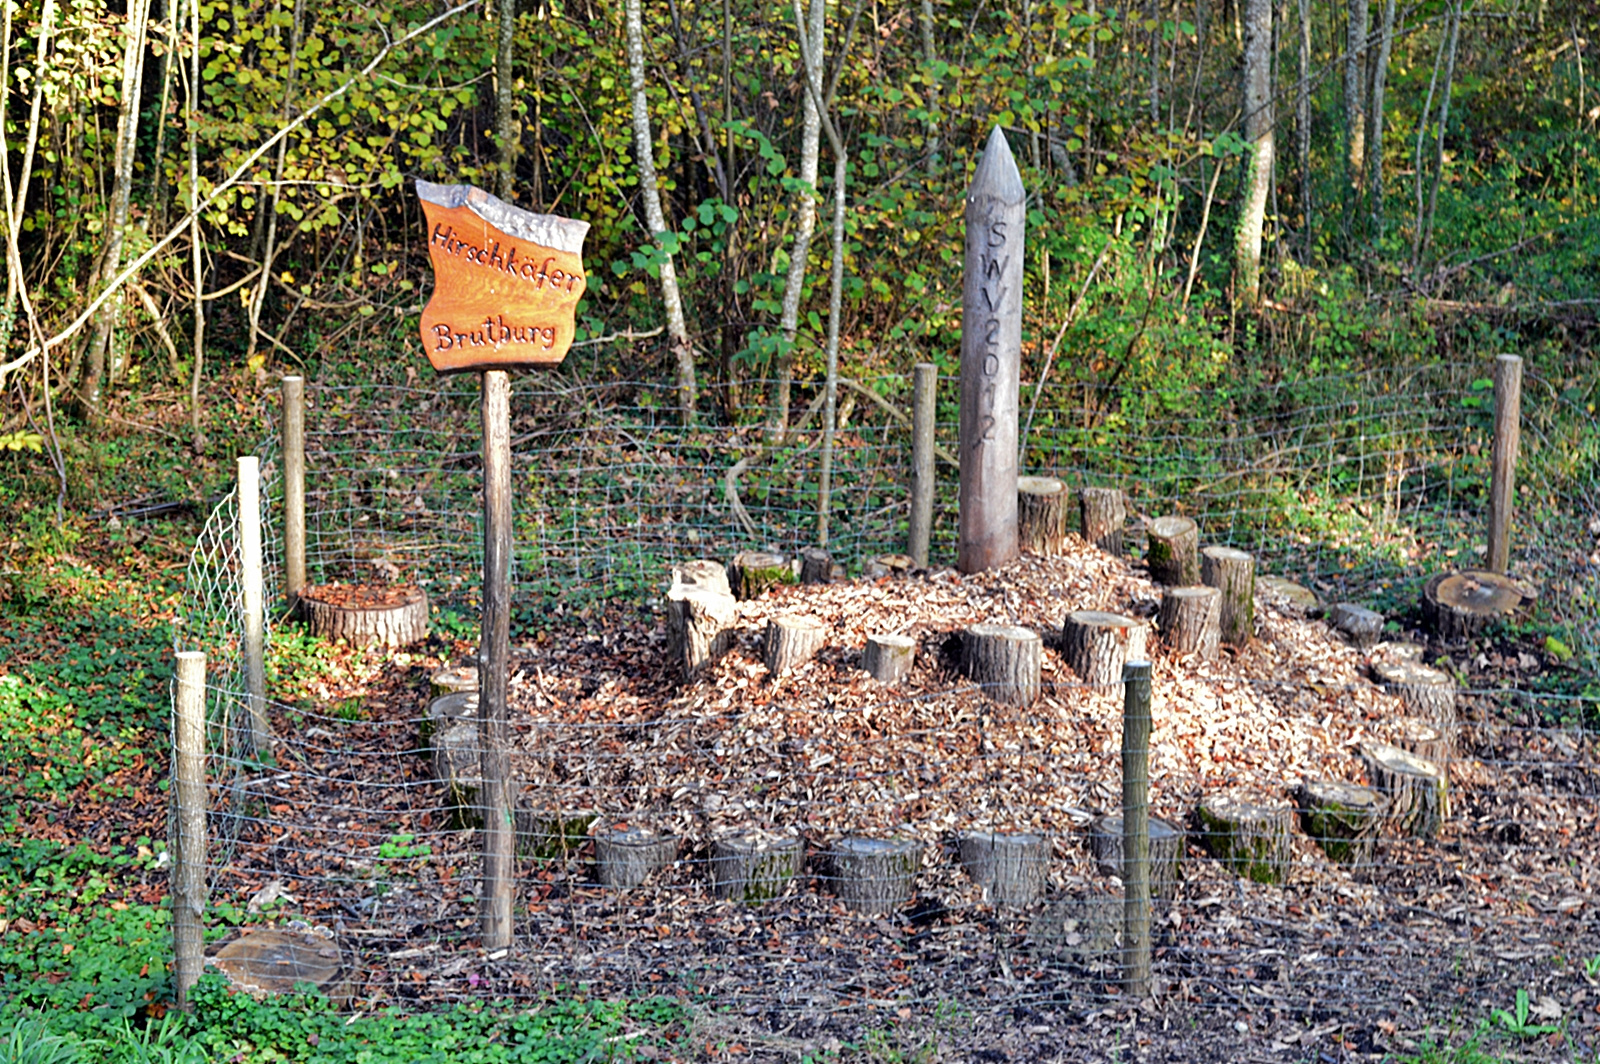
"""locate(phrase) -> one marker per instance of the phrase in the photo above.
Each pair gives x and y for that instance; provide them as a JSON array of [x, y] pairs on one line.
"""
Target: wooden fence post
[[1503, 469], [188, 848], [294, 487], [494, 652], [254, 604], [1136, 829], [924, 390]]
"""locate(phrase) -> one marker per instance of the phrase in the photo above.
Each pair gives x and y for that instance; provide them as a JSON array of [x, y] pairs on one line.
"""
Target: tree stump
[[1361, 626], [443, 713], [1456, 606], [889, 657], [1342, 818], [1166, 852], [1418, 790], [791, 642], [1190, 620], [457, 764], [1233, 572], [1427, 694], [1287, 594], [361, 614], [1248, 832], [1097, 644], [1041, 515], [1004, 660], [269, 961], [753, 571], [1173, 551], [888, 565], [755, 866], [549, 834], [1431, 742], [1103, 512], [453, 679], [626, 854], [874, 875], [1009, 867], [816, 566], [700, 613]]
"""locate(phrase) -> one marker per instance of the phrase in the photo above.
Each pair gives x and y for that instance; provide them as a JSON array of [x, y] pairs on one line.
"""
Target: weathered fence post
[[188, 847], [294, 487], [1503, 467], [1136, 829], [494, 652], [924, 391], [254, 604], [991, 357]]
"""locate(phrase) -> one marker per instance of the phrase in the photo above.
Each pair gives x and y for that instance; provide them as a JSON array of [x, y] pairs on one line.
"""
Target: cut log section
[[791, 642], [1456, 606], [1431, 742], [1248, 832], [1173, 551], [888, 565], [1286, 594], [550, 834], [1361, 626], [755, 866], [457, 765], [816, 566], [443, 713], [1344, 819], [453, 679], [873, 875], [1233, 572], [1097, 644], [1191, 620], [1103, 512], [1041, 515], [1009, 867], [753, 571], [1428, 694], [1166, 852], [700, 615], [626, 854], [1004, 660], [889, 657], [393, 615], [1418, 789], [270, 961]]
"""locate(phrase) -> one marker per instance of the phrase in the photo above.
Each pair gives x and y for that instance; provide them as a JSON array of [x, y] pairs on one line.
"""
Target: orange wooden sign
[[506, 281]]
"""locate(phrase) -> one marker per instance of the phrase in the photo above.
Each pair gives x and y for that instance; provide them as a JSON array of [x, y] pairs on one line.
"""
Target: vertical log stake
[[1503, 471], [493, 655], [294, 487], [924, 390], [254, 604], [1136, 829], [188, 848]]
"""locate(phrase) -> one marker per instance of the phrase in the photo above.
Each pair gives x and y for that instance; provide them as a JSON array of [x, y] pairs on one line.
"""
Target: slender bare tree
[[1258, 130], [505, 124], [1302, 125], [1380, 77], [1355, 99], [270, 247]]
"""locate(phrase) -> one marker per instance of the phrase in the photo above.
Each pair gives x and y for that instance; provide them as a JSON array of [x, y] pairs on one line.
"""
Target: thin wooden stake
[[924, 390], [254, 604], [188, 848], [494, 653], [1136, 829], [294, 487], [1503, 469]]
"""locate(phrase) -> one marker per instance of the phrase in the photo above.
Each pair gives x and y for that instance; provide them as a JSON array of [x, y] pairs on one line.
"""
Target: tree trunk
[[1456, 606], [271, 206], [1259, 120], [198, 439], [1249, 833], [1427, 694], [755, 866], [1041, 515], [700, 614], [1418, 790], [624, 855], [1425, 222], [1173, 552], [889, 657], [505, 124], [1103, 512], [1355, 99], [1004, 660], [1380, 76], [1233, 572], [1190, 620], [791, 642], [360, 614], [874, 875], [1166, 852], [1097, 644], [816, 566], [1010, 868], [753, 571], [931, 145], [1431, 742], [1342, 818], [655, 222], [444, 713], [1302, 128]]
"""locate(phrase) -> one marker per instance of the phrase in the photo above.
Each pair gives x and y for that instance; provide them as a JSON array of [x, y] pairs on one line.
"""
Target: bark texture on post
[[873, 875], [1250, 833], [188, 883], [1004, 660], [1418, 790], [700, 613], [924, 396], [1098, 644], [1136, 829], [753, 571], [1041, 515], [294, 487], [1232, 572], [991, 360], [1173, 551], [494, 656], [1342, 818], [1191, 620], [1503, 463], [254, 605], [1259, 120], [1009, 867], [889, 657], [1166, 851], [624, 855], [755, 866], [1102, 513], [791, 642]]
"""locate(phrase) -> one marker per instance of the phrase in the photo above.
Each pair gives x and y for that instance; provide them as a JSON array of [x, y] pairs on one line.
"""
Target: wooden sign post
[[991, 361], [505, 295]]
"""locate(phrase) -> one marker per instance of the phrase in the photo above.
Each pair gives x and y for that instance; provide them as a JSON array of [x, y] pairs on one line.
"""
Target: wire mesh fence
[[812, 854]]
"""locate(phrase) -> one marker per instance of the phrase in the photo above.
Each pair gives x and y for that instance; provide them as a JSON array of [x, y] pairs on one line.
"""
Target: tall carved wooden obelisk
[[991, 356]]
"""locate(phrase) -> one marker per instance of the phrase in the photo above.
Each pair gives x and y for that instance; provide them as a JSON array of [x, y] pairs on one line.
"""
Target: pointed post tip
[[997, 175]]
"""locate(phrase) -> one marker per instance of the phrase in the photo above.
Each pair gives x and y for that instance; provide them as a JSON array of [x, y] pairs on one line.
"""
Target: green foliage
[[1517, 1021]]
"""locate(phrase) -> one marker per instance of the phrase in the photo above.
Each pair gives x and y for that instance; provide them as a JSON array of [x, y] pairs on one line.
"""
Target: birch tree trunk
[[17, 200], [100, 339], [655, 222], [1380, 77], [505, 126], [1355, 100], [1258, 132], [1302, 125]]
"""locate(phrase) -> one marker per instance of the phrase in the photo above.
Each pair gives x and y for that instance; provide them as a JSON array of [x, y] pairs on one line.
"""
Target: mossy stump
[[1248, 832], [755, 866], [1343, 819], [1232, 572], [550, 834], [1172, 551], [754, 571]]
